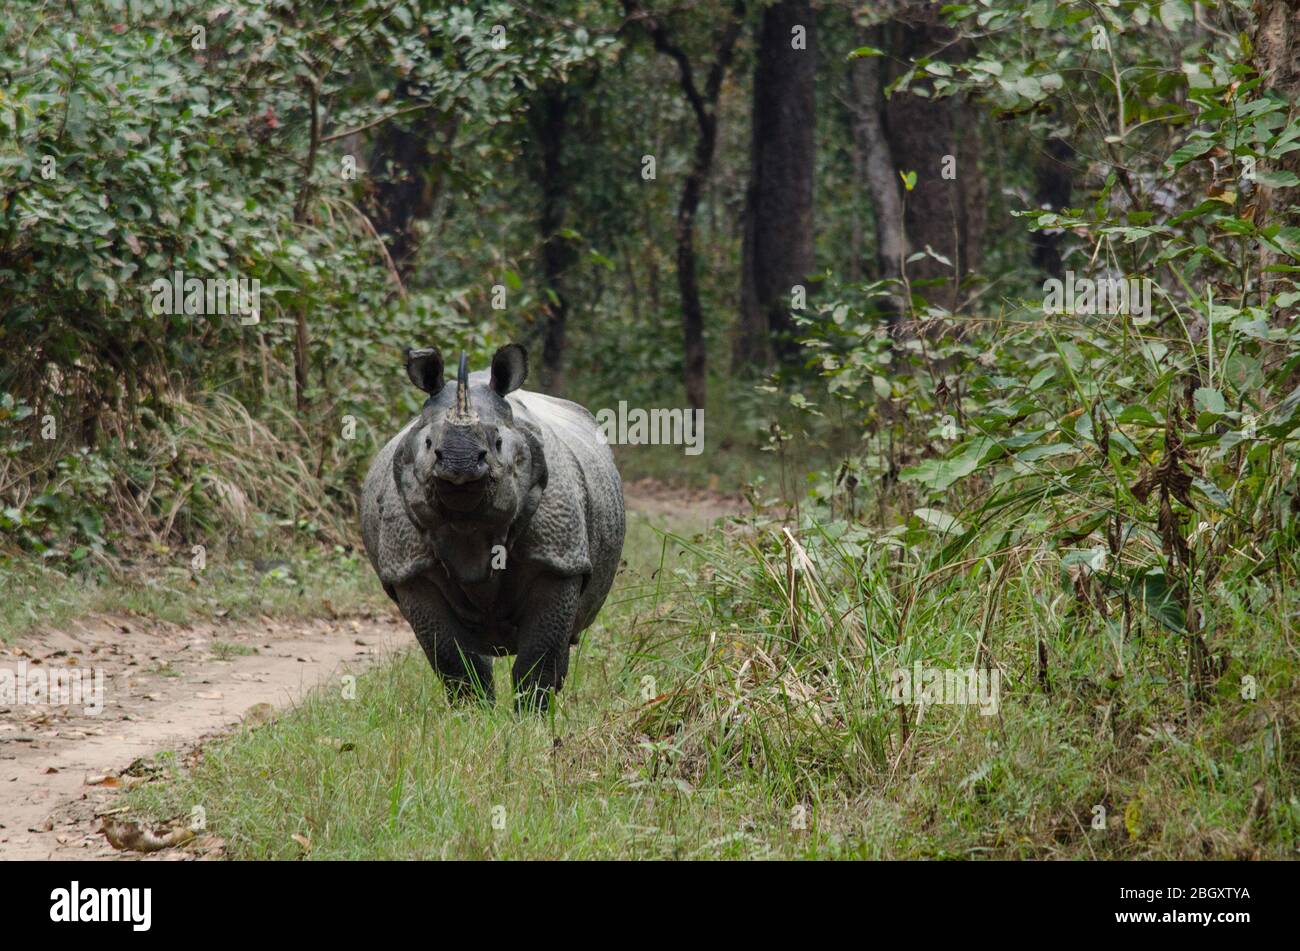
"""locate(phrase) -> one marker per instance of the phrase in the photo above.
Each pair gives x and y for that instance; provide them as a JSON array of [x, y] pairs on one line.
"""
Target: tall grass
[[734, 700]]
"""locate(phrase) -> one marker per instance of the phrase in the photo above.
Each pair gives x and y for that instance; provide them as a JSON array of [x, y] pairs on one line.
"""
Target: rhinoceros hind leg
[[467, 675]]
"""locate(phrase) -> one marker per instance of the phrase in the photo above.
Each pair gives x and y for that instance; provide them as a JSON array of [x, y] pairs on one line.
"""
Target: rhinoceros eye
[[428, 443], [498, 444]]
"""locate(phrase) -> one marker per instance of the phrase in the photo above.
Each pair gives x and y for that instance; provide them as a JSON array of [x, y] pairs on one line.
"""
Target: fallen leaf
[[133, 837], [208, 844], [259, 713], [139, 767]]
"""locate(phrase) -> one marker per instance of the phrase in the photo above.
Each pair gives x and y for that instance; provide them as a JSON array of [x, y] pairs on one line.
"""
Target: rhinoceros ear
[[424, 367], [509, 368]]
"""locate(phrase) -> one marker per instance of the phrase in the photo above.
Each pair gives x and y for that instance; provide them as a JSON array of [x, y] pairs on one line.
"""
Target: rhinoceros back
[[578, 527]]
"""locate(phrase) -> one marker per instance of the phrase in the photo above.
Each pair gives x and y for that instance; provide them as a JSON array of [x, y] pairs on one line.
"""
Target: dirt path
[[165, 687], [169, 687], [654, 499]]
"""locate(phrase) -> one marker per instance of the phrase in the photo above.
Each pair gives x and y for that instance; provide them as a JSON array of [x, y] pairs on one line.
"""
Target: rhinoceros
[[495, 520]]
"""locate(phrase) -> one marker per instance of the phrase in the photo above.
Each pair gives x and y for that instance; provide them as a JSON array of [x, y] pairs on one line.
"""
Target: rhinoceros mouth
[[460, 497]]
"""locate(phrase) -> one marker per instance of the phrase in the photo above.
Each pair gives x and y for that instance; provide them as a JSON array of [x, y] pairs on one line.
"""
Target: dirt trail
[[653, 499], [165, 687], [169, 687]]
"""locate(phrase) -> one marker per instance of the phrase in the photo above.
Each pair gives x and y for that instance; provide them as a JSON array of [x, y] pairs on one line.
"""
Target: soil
[[165, 687]]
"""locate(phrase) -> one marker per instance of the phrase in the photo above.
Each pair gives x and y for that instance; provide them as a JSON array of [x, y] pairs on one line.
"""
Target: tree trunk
[[938, 140], [694, 359], [1276, 42], [777, 251], [407, 162], [880, 173], [557, 251], [1053, 174]]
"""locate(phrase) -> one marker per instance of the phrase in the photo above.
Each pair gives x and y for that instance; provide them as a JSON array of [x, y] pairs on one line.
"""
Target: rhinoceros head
[[465, 454]]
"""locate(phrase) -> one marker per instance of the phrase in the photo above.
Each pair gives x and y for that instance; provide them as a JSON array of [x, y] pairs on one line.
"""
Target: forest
[[947, 352]]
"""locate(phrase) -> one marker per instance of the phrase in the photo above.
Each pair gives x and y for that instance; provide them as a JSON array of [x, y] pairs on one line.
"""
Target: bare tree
[[703, 103]]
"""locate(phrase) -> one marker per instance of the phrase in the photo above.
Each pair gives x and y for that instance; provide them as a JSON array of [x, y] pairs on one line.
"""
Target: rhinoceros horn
[[461, 414]]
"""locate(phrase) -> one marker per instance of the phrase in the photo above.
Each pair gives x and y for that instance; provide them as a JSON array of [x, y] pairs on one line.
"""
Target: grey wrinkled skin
[[505, 467]]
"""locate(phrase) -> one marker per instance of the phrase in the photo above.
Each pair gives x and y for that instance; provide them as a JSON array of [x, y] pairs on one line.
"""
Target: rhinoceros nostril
[[482, 455], [437, 455]]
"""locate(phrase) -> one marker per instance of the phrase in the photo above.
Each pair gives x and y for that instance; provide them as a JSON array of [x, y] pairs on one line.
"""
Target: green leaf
[[1138, 414], [1211, 492], [939, 474], [1174, 13], [940, 520], [1193, 149], [1029, 87], [1277, 179], [1209, 400], [1159, 599], [1040, 13], [1045, 452]]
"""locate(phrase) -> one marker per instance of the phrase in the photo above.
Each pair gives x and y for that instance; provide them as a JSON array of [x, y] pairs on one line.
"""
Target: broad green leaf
[[939, 519], [1174, 14], [1154, 593], [1209, 400]]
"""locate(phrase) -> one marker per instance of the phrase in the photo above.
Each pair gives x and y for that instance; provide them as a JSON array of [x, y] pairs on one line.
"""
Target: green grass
[[313, 582], [769, 731], [223, 650]]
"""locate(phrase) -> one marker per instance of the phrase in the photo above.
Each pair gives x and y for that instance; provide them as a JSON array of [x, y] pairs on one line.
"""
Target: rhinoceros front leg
[[543, 659], [466, 675]]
